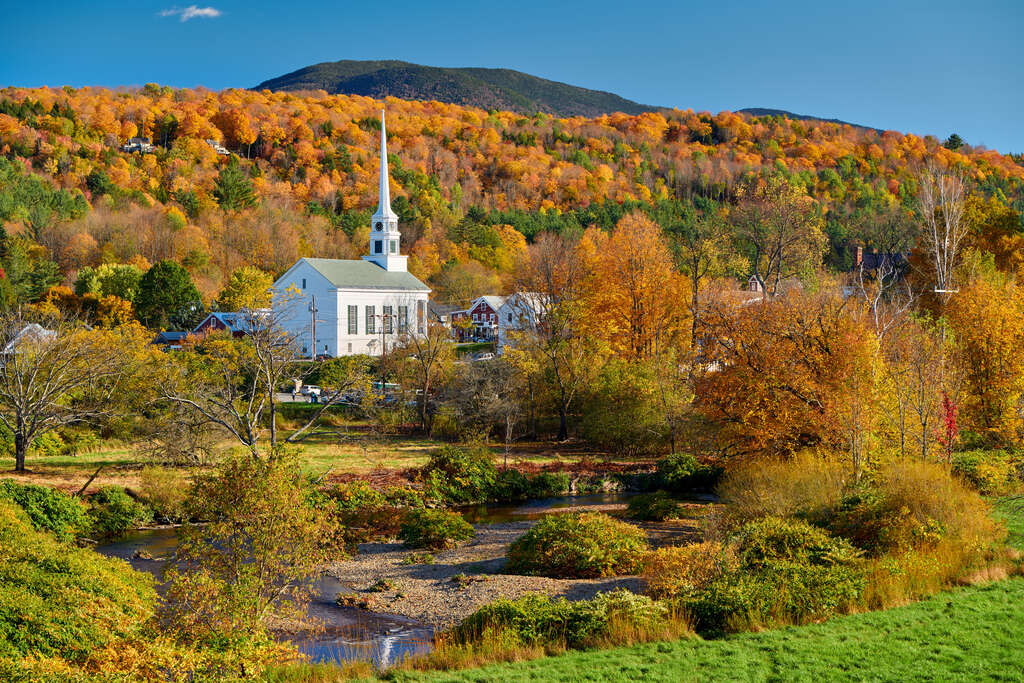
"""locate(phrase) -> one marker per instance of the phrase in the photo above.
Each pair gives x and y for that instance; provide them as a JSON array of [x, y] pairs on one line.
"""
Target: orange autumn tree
[[787, 373], [633, 296]]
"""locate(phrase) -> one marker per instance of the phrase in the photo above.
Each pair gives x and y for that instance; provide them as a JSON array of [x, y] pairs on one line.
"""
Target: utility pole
[[384, 319], [313, 310]]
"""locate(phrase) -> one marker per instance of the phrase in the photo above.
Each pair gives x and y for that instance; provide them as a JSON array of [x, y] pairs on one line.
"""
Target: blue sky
[[924, 67]]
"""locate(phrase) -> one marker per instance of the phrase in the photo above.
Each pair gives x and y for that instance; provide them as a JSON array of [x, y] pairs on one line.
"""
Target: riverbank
[[386, 577]]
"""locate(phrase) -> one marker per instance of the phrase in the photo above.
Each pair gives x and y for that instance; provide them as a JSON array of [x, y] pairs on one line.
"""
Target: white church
[[338, 307]]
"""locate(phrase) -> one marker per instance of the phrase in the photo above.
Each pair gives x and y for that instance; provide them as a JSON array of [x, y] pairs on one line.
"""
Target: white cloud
[[191, 12]]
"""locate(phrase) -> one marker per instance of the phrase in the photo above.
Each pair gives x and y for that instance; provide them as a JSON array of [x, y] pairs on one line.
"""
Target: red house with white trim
[[479, 321]]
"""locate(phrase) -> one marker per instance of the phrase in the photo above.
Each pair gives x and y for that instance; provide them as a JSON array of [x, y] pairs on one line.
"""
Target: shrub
[[910, 504], [77, 441], [165, 490], [64, 602], [460, 476], [255, 561], [434, 529], [403, 496], [787, 593], [992, 472], [682, 472], [549, 485], [773, 540], [48, 445], [510, 485], [48, 509], [581, 545], [685, 571], [112, 512], [541, 620], [365, 513], [418, 558], [382, 586], [805, 486], [654, 507], [787, 571], [356, 495]]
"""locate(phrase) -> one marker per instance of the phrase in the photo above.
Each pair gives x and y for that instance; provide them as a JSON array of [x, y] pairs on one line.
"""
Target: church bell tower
[[385, 239]]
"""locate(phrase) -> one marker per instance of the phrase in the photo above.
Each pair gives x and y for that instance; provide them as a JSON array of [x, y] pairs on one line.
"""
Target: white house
[[521, 311], [337, 307]]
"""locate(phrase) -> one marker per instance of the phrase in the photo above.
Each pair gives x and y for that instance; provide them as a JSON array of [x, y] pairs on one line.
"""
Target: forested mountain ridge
[[762, 111], [471, 187], [502, 89]]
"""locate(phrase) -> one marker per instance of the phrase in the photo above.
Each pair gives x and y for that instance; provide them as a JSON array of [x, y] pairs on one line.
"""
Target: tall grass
[[313, 672], [783, 488], [495, 643]]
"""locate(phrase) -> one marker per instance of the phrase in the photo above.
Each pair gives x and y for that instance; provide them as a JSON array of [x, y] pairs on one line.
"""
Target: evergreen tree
[[164, 291], [233, 189]]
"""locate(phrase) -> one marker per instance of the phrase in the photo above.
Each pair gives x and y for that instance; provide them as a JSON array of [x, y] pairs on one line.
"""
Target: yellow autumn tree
[[987, 319], [634, 296]]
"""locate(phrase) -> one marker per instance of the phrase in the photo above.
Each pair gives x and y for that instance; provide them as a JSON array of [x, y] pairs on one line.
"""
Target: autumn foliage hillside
[[471, 187]]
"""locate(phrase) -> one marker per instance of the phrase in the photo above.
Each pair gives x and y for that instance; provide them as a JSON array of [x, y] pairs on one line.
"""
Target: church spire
[[384, 205], [385, 238]]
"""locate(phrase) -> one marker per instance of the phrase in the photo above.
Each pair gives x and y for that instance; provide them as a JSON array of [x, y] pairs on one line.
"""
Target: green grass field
[[1011, 512], [341, 447], [969, 634]]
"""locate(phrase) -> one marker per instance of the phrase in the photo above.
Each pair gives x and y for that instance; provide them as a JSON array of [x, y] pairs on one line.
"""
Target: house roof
[[169, 336], [534, 301], [235, 321], [353, 274], [442, 309], [874, 261], [33, 332], [492, 300]]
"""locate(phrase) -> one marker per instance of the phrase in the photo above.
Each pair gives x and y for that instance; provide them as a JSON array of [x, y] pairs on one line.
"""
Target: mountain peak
[[504, 89]]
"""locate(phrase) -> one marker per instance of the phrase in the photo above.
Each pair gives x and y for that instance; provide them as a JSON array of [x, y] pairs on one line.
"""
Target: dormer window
[[394, 246], [378, 247]]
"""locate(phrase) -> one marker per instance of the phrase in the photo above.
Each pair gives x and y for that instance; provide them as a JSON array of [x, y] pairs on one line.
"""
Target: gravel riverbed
[[462, 579]]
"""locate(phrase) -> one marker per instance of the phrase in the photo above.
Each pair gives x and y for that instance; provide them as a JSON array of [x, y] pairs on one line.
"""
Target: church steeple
[[385, 239], [384, 204]]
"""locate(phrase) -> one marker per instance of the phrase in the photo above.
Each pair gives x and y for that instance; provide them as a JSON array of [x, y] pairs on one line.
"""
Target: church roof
[[352, 274]]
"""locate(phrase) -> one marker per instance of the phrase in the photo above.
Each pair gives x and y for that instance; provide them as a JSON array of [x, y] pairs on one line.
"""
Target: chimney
[[860, 256]]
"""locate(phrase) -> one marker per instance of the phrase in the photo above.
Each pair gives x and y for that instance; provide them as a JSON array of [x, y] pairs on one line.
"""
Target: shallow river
[[349, 633]]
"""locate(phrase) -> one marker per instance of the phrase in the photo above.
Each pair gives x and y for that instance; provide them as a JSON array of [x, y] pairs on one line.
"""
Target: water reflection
[[495, 513], [346, 634]]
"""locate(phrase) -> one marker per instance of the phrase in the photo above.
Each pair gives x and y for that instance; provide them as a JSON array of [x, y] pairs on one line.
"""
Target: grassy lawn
[[1011, 512], [357, 453], [967, 634], [342, 447]]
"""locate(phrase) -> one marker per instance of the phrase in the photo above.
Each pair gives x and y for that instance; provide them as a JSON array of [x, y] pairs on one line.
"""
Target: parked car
[[311, 390], [484, 356]]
